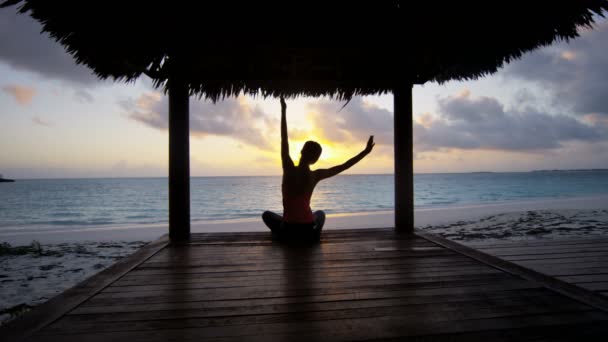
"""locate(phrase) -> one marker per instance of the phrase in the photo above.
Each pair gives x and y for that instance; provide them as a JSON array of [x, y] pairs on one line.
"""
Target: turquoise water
[[95, 202]]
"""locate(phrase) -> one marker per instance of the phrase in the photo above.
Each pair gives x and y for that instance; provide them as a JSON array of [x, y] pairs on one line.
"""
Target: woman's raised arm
[[285, 158], [326, 173]]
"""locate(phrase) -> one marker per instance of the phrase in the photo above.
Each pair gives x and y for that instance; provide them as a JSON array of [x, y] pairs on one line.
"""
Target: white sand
[[71, 255]]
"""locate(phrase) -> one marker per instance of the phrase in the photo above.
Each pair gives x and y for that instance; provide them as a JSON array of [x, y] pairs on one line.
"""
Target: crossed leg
[[275, 222]]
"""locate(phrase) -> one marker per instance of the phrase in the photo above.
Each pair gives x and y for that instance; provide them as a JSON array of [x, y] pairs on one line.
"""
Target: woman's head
[[310, 152]]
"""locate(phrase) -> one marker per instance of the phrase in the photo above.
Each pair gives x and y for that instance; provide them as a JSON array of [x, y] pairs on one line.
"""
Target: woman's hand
[[370, 144]]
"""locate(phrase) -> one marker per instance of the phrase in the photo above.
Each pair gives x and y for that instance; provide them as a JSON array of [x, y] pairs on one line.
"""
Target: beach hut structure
[[341, 50]]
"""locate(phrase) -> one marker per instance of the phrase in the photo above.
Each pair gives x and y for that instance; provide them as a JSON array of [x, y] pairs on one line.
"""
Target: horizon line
[[348, 174]]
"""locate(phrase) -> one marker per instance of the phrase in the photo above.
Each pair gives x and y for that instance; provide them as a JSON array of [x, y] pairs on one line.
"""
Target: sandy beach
[[60, 258], [32, 275]]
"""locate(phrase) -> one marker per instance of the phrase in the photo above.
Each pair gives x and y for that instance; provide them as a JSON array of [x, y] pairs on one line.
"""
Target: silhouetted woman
[[298, 220]]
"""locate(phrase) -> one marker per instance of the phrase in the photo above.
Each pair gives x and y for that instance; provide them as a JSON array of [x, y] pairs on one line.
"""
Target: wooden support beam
[[179, 159], [404, 159]]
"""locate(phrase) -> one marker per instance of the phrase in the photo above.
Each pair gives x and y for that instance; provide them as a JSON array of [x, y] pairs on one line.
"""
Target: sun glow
[[330, 156]]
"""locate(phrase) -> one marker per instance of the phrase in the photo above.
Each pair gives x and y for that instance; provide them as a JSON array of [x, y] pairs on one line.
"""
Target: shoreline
[[424, 217]]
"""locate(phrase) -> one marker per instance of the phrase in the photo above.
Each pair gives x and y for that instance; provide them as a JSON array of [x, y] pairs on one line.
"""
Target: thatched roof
[[305, 48]]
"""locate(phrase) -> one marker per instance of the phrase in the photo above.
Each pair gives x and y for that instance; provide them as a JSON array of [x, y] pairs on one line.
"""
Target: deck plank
[[362, 328], [581, 262], [353, 285]]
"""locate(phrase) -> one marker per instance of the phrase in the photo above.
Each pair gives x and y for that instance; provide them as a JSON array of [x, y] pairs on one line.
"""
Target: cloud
[[265, 160], [23, 47], [597, 120], [464, 122], [234, 118], [120, 165], [83, 96], [575, 73], [22, 94], [40, 122], [353, 124]]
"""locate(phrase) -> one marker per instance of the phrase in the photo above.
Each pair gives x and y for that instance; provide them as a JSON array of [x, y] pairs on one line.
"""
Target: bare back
[[297, 181]]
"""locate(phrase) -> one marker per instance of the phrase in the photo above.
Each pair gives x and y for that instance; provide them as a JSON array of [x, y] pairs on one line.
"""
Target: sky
[[548, 110]]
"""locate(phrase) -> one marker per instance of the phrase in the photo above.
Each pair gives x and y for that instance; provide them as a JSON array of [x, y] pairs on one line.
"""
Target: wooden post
[[179, 159], [404, 159]]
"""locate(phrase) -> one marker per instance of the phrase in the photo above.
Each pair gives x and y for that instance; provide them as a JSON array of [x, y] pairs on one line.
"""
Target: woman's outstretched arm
[[326, 173], [285, 158]]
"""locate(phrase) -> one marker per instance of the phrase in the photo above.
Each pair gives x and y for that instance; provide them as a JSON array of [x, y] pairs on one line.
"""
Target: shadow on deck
[[354, 285]]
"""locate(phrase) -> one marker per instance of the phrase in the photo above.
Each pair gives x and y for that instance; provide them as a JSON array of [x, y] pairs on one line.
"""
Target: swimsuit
[[296, 209]]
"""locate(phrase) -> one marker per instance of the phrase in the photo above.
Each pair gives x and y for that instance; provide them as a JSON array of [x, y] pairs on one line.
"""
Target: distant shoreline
[[342, 175]]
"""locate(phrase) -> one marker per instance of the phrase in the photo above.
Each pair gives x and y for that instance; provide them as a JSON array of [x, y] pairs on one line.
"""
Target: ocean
[[48, 203]]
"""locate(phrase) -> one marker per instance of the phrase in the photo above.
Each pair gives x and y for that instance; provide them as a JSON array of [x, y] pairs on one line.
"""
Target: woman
[[298, 220]]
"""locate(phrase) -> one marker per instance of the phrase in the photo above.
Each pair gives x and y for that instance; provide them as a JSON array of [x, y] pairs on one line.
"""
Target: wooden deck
[[354, 285], [582, 262]]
